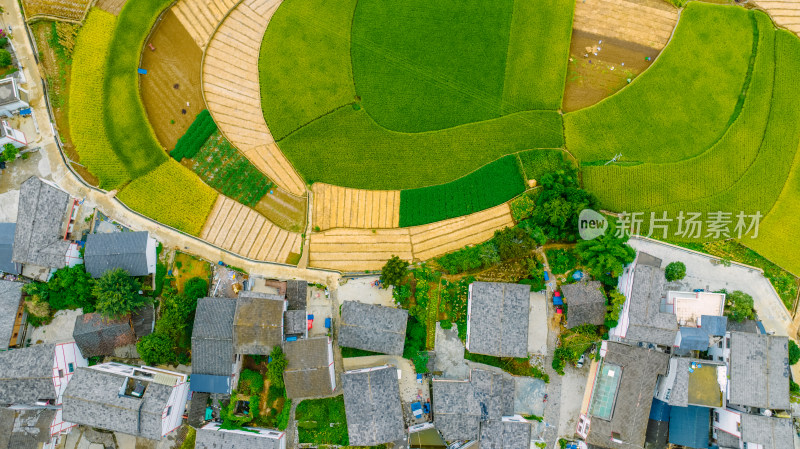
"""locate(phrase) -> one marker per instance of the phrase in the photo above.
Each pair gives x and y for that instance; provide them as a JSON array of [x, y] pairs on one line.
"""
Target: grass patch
[[224, 168], [486, 187], [538, 50], [516, 366], [304, 65], [129, 131], [322, 421], [186, 267], [537, 163], [86, 118], [173, 195], [683, 103], [561, 260]]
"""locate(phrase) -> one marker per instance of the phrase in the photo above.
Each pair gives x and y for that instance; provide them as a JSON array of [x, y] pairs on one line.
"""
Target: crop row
[[486, 187], [193, 139], [64, 9]]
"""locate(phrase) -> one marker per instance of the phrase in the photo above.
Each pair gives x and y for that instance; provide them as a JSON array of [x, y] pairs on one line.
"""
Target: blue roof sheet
[[693, 339], [206, 383], [689, 426], [659, 411], [714, 325]]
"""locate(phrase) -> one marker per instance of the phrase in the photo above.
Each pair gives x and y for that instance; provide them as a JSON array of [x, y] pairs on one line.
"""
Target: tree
[[739, 306], [675, 271], [794, 352], [69, 288], [615, 302], [276, 367], [559, 204], [394, 271], [156, 349], [5, 58], [196, 288], [606, 256], [513, 243], [118, 294], [9, 153]]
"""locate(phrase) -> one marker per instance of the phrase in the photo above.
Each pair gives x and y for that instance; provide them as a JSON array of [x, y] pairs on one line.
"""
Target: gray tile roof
[[10, 297], [461, 407], [297, 294], [96, 335], [373, 328], [498, 323], [7, 418], [308, 371], [587, 303], [771, 433], [212, 337], [26, 375], [41, 223], [233, 439], [647, 322], [25, 429], [759, 371], [7, 248], [258, 324], [372, 406], [693, 339], [295, 322], [749, 326], [126, 250], [640, 370], [197, 409], [505, 435], [92, 398], [714, 326], [726, 440]]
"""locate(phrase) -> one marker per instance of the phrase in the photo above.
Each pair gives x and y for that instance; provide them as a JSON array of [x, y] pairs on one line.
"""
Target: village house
[[134, 252], [12, 314], [97, 335], [258, 322], [373, 328], [587, 303], [310, 371], [7, 265], [372, 406], [26, 429], [497, 319], [215, 364], [211, 436]]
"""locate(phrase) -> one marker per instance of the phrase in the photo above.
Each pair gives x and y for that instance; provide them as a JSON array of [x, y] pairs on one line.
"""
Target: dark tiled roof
[[92, 398], [96, 335], [373, 328], [498, 323], [693, 339], [308, 372], [143, 321], [372, 406], [258, 325], [7, 418], [647, 322], [126, 250], [587, 303], [7, 248], [749, 326], [295, 322], [759, 371], [505, 435], [640, 370], [197, 409], [31, 429], [212, 337], [26, 375], [714, 326], [689, 426], [39, 237], [296, 294], [209, 438], [771, 433], [10, 297]]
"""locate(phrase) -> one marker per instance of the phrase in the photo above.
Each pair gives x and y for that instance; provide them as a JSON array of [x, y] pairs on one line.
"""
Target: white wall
[[331, 368], [150, 255], [177, 400]]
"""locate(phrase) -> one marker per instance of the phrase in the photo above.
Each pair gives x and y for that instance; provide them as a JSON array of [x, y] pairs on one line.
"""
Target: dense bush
[[507, 243], [561, 260], [675, 271], [559, 203], [251, 382], [739, 306], [69, 288], [117, 294], [276, 366], [394, 271], [794, 352], [330, 417], [193, 139], [156, 349], [522, 207], [486, 187]]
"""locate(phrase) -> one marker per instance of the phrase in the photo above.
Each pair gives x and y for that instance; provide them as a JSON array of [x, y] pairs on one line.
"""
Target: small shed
[[96, 335]]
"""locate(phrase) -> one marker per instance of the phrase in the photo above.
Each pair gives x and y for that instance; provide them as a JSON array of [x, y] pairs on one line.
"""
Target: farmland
[[70, 10], [488, 186]]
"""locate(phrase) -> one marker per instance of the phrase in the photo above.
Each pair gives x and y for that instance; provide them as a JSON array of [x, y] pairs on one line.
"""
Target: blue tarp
[[761, 327], [689, 426], [659, 411], [714, 325], [693, 339], [205, 383], [558, 301]]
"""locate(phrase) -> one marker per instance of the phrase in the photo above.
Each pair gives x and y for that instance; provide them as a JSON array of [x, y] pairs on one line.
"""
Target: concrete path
[[362, 290], [537, 326], [702, 273]]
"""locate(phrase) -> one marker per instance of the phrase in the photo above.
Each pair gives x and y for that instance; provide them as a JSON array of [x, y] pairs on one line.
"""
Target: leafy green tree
[[156, 349], [616, 301], [605, 257], [513, 243], [739, 306], [675, 271], [794, 352], [394, 271], [5, 58], [276, 367], [118, 294], [559, 203], [69, 288], [196, 288], [251, 382], [9, 153]]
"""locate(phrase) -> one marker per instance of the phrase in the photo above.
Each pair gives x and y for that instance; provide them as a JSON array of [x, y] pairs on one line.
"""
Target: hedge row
[[486, 187], [193, 139]]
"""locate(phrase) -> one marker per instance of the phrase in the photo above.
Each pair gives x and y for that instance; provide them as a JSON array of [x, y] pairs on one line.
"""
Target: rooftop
[[97, 335], [759, 371], [689, 426], [9, 93], [506, 434], [647, 322], [693, 339], [296, 294], [212, 437], [258, 325], [587, 303], [770, 433], [372, 406], [26, 374], [373, 328], [41, 225], [715, 326], [126, 250], [295, 322], [689, 307], [308, 373], [7, 248], [25, 429], [212, 337], [498, 319], [10, 298], [697, 382]]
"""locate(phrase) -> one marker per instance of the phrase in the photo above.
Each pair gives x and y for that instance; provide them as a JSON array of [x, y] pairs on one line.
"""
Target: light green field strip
[[643, 186], [682, 104], [538, 50]]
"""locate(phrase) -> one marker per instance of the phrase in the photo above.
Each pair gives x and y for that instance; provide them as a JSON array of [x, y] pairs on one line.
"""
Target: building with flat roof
[[373, 328], [372, 406], [497, 319], [694, 382]]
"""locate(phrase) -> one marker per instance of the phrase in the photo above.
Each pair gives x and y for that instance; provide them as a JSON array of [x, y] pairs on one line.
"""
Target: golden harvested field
[[69, 10], [645, 22], [201, 17], [244, 231], [785, 13], [340, 207]]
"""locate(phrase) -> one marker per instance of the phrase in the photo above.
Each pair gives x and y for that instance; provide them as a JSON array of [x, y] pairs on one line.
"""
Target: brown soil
[[174, 62], [112, 6], [592, 78], [58, 85], [284, 209], [190, 267]]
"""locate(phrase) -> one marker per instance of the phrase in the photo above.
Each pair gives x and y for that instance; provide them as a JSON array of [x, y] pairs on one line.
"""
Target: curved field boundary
[[786, 13], [244, 231], [365, 249], [645, 22], [232, 93], [67, 10], [341, 207], [201, 17]]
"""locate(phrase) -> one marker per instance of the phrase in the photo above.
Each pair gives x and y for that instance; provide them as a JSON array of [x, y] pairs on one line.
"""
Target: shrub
[[675, 271], [283, 417], [793, 387], [561, 260], [5, 58], [156, 349], [394, 271], [794, 352], [276, 367], [69, 288], [193, 139], [522, 207], [251, 382]]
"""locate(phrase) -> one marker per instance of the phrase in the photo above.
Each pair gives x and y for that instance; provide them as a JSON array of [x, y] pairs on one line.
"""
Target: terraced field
[[645, 22], [786, 13], [340, 207], [201, 17]]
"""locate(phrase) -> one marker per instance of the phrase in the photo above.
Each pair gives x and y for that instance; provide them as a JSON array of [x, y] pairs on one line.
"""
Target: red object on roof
[[310, 322], [556, 293], [559, 310]]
